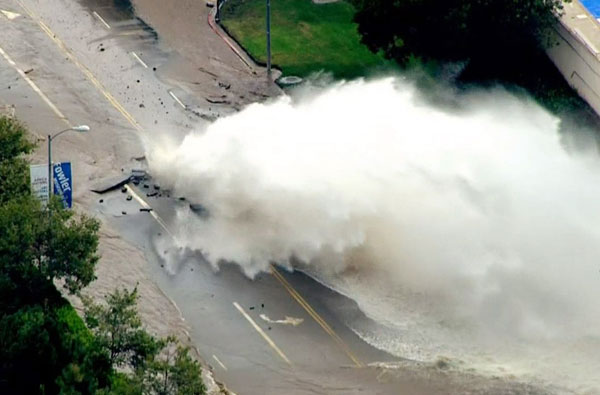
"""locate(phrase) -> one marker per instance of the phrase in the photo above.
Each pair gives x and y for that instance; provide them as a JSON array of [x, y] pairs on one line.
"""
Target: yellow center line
[[81, 67], [315, 316], [262, 333]]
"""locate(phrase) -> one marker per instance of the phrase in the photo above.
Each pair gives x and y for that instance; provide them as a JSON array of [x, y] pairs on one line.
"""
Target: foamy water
[[410, 326], [467, 233]]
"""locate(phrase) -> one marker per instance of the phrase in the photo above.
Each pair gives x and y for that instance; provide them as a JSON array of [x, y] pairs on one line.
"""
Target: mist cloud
[[480, 206]]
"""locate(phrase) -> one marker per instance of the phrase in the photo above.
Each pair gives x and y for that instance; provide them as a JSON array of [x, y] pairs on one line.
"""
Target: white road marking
[[287, 321], [262, 333], [132, 32], [34, 87], [10, 15], [139, 59], [101, 19], [177, 100], [219, 362], [152, 213], [79, 65]]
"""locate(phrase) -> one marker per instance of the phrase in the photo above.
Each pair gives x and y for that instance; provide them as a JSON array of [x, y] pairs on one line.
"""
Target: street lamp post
[[269, 38], [79, 128]]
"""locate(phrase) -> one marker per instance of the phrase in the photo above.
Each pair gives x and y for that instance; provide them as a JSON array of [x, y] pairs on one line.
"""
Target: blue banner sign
[[63, 183]]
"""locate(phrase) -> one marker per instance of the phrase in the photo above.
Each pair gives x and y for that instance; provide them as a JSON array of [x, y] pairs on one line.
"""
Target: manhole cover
[[290, 80]]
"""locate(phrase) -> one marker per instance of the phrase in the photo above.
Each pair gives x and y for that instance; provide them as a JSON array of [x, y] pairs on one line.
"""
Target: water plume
[[477, 205]]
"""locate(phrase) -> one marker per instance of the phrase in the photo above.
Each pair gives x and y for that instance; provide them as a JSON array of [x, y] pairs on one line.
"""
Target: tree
[[118, 329], [49, 350], [454, 30], [172, 372], [38, 246], [44, 345], [493, 41], [157, 366], [13, 167]]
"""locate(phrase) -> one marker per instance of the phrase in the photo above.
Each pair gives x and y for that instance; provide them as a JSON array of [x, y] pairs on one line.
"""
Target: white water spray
[[479, 209]]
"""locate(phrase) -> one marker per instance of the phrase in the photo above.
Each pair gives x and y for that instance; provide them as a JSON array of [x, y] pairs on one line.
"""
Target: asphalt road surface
[[67, 62]]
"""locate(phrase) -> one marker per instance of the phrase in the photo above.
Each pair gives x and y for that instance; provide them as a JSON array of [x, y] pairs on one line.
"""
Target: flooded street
[[149, 74]]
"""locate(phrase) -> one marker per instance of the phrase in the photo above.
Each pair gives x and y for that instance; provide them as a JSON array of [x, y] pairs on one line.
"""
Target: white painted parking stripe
[[177, 100], [101, 19], [34, 87], [219, 362], [262, 333], [139, 60]]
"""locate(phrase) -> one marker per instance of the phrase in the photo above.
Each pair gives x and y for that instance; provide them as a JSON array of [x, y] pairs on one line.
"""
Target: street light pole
[[269, 38], [49, 168], [80, 128]]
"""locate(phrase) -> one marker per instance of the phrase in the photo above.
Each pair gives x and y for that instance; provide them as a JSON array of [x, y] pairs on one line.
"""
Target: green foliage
[[89, 368], [453, 30], [122, 384], [45, 349], [37, 245], [306, 37], [44, 345], [497, 41], [173, 372], [73, 243], [14, 170], [118, 329], [159, 366]]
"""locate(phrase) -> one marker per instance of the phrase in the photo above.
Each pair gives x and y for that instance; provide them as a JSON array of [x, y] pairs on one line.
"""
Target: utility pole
[[49, 169], [269, 39]]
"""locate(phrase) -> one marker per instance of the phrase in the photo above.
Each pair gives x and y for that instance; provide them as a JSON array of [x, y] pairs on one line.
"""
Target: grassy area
[[305, 37]]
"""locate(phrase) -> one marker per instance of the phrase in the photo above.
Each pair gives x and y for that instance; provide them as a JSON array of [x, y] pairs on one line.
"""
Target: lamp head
[[81, 128]]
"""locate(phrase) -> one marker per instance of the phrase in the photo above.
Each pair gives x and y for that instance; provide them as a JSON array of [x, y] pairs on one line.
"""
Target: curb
[[239, 50], [234, 47]]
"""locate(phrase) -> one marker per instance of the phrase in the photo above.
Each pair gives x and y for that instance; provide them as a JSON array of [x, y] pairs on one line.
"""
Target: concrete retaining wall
[[577, 59]]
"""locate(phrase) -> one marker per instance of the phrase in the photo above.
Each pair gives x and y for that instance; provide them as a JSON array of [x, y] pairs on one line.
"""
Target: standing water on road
[[467, 233]]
